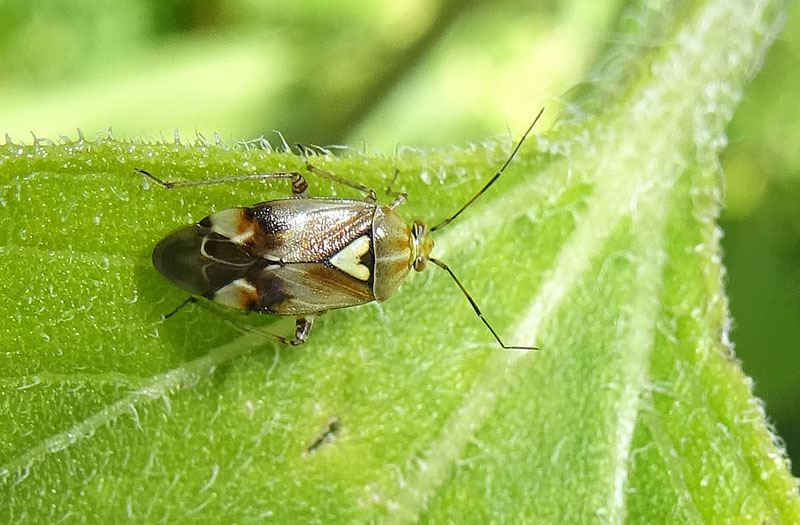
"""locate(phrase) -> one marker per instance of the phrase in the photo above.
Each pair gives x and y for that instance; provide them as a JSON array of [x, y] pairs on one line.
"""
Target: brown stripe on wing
[[308, 230]]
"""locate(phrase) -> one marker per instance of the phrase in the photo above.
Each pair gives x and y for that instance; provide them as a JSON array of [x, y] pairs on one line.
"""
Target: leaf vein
[[159, 386]]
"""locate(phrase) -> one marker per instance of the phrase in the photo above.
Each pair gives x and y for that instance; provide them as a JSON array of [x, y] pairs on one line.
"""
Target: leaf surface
[[599, 245]]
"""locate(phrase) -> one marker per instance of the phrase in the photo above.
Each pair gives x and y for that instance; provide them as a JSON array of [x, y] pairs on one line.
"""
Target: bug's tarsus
[[190, 300], [494, 177], [389, 190], [303, 151], [155, 179], [446, 268], [303, 327]]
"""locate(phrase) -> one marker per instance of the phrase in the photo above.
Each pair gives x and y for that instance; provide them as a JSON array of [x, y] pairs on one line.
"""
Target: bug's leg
[[299, 184], [399, 196], [191, 299], [370, 194], [246, 330], [400, 199], [262, 333], [303, 328], [389, 189]]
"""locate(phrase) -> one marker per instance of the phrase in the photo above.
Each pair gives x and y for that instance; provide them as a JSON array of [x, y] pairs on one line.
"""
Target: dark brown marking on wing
[[271, 228], [237, 294], [368, 260], [251, 302], [269, 222], [270, 290]]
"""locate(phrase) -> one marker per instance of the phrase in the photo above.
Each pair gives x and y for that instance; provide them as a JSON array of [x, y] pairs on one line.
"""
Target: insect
[[302, 256]]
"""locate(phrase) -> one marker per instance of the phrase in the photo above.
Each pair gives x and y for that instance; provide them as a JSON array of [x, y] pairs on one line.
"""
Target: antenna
[[446, 268], [445, 222], [491, 181]]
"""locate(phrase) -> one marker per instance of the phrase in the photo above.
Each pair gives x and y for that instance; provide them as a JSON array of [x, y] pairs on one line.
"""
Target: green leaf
[[599, 245]]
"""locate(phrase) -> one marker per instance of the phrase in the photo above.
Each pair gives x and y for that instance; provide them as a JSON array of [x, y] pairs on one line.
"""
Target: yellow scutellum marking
[[348, 259]]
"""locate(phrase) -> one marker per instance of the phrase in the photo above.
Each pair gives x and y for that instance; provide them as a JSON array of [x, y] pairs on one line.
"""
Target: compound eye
[[420, 263], [418, 229]]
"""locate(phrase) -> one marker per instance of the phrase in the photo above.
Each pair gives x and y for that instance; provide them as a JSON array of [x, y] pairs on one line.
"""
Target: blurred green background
[[413, 73]]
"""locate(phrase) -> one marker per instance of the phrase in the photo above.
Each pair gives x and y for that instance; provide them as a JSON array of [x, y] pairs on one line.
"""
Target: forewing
[[293, 289]]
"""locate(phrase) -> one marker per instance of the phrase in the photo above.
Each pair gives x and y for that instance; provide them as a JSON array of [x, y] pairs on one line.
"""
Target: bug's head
[[421, 245]]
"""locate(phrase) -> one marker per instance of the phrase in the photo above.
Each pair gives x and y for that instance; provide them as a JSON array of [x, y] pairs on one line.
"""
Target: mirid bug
[[302, 256]]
